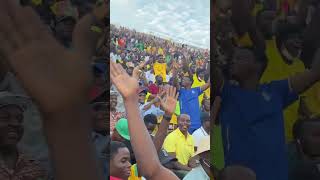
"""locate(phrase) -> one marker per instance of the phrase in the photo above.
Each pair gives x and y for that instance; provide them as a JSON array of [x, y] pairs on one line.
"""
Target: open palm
[[169, 102], [54, 76], [127, 85]]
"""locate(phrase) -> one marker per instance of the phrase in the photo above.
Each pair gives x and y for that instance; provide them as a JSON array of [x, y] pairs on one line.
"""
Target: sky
[[185, 21]]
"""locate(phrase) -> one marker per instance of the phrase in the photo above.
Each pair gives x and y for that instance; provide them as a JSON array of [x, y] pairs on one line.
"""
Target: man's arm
[[168, 105], [178, 165], [144, 150], [205, 86], [301, 82]]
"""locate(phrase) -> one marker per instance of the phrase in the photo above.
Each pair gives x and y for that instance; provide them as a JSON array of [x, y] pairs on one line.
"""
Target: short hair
[[114, 147], [259, 55], [204, 116], [150, 118]]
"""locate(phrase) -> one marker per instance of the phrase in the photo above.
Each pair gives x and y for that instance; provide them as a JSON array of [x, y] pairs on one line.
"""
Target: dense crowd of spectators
[[266, 69], [24, 150], [181, 137]]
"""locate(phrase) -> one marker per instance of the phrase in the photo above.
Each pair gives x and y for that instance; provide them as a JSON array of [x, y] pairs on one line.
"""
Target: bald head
[[236, 173]]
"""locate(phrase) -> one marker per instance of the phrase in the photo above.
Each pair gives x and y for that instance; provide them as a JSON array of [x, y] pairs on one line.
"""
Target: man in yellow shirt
[[180, 144], [198, 81]]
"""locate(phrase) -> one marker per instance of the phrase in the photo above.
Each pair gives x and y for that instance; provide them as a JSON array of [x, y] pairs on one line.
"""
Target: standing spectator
[[189, 102]]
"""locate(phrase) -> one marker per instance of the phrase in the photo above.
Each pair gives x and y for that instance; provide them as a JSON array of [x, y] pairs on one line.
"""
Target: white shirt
[[198, 135], [197, 173], [152, 110], [150, 76]]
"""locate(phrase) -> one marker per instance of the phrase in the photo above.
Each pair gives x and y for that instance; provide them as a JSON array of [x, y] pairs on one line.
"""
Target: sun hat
[[204, 145]]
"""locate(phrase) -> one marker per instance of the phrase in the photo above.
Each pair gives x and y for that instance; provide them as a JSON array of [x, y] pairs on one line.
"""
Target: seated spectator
[[14, 163], [203, 131], [119, 161], [203, 171], [150, 120], [180, 144], [305, 160]]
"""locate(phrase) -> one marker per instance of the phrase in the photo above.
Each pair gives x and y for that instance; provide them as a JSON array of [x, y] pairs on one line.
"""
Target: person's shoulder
[[196, 132]]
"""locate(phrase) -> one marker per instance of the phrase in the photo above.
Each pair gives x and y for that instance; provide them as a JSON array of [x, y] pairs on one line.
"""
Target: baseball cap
[[165, 158], [204, 145], [122, 128], [8, 98]]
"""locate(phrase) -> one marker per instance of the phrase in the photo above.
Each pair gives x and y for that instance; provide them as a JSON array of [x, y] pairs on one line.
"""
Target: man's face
[[159, 80], [11, 125], [161, 60], [186, 82], [142, 98], [293, 45], [150, 127], [130, 71], [120, 163], [113, 101], [311, 138], [243, 64], [184, 123], [201, 75], [206, 105], [65, 28]]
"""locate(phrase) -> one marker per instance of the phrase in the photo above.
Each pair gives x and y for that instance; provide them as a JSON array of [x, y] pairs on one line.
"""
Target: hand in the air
[[127, 85], [55, 77], [169, 102]]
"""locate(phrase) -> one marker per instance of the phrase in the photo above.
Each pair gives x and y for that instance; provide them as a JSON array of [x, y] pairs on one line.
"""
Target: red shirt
[[153, 89]]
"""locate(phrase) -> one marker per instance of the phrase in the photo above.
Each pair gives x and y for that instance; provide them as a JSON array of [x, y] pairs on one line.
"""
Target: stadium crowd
[[173, 101], [46, 113], [266, 84]]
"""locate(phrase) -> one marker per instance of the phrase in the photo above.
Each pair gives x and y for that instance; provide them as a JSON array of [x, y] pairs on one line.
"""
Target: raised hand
[[127, 85], [169, 102], [55, 77], [137, 70]]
